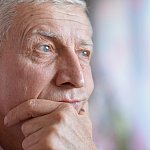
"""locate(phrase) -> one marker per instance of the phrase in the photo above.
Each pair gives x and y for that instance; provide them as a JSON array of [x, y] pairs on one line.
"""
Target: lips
[[70, 101], [74, 102]]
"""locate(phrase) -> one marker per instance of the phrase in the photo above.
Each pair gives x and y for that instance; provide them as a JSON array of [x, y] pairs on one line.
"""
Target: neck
[[10, 138]]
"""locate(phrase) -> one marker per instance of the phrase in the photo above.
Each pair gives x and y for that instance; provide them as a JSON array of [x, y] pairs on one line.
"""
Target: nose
[[70, 72]]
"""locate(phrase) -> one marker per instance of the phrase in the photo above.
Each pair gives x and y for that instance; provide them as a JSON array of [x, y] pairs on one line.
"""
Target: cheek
[[35, 79], [23, 81], [89, 84]]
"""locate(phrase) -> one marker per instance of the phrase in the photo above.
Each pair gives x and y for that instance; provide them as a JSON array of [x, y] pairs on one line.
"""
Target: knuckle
[[51, 137], [32, 104], [68, 108], [48, 144], [66, 111], [53, 131], [62, 116], [49, 141]]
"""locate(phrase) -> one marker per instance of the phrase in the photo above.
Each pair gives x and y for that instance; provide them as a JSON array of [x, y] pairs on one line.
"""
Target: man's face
[[46, 56]]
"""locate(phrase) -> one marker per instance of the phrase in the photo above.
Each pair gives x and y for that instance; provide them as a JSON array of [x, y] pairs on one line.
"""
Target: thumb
[[85, 116], [85, 109]]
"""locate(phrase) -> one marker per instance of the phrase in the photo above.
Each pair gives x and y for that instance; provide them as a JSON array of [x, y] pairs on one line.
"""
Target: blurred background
[[120, 104]]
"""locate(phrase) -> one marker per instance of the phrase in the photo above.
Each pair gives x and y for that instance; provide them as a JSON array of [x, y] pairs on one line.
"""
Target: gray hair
[[7, 10]]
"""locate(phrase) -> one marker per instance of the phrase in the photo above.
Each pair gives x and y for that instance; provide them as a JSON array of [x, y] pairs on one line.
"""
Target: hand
[[52, 125]]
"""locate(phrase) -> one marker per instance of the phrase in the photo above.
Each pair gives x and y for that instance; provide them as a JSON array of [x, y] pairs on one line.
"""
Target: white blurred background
[[120, 104]]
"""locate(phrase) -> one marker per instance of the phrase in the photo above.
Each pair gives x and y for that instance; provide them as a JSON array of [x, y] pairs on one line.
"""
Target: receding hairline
[[8, 10]]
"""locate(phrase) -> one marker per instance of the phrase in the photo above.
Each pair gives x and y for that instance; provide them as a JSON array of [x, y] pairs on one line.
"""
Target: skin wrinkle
[[24, 17], [65, 19], [23, 36], [35, 38], [10, 12], [38, 12], [67, 13], [69, 20], [58, 37], [66, 67], [74, 15], [26, 32], [57, 81], [54, 35], [52, 97], [51, 35]]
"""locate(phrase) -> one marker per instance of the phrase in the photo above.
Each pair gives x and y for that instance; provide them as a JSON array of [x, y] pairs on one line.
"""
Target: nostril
[[67, 84], [69, 79]]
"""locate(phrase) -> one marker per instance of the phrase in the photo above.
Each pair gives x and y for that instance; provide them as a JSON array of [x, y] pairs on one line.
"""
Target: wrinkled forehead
[[53, 12], [69, 22]]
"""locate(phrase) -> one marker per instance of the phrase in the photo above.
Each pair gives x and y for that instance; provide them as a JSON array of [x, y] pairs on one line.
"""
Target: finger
[[36, 146], [29, 109], [85, 109], [67, 108], [85, 116], [63, 111], [33, 139], [45, 138], [35, 124]]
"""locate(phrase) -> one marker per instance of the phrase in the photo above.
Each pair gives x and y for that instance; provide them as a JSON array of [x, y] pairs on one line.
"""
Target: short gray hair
[[7, 10]]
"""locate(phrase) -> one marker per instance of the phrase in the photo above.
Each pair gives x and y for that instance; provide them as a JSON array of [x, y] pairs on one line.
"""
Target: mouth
[[77, 104], [70, 101]]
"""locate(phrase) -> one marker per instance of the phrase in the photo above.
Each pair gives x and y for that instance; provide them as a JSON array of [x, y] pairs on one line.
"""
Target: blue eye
[[45, 48], [85, 53]]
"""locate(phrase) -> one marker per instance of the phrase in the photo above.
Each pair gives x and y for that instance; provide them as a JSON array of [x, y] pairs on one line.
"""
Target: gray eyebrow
[[87, 43], [48, 34]]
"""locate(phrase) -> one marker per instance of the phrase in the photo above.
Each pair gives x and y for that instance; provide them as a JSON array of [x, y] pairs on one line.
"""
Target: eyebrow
[[48, 34], [86, 43], [53, 35]]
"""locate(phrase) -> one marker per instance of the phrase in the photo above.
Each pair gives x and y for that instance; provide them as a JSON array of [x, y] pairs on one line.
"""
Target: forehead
[[69, 19]]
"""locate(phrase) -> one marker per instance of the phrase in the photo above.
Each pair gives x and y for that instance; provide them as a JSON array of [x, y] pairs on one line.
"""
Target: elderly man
[[45, 75]]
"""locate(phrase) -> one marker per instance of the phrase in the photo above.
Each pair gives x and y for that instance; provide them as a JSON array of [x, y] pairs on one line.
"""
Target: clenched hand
[[49, 125]]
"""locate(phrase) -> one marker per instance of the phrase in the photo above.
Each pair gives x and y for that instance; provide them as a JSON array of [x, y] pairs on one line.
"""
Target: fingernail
[[6, 121], [83, 110]]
